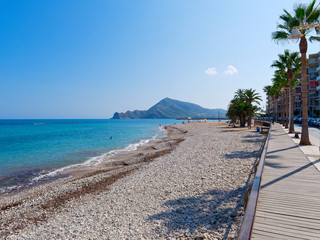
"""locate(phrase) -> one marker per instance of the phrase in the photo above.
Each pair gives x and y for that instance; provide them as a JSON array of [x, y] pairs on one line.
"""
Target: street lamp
[[295, 34], [296, 30]]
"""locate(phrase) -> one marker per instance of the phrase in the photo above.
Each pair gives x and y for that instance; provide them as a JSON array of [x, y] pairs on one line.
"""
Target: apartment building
[[313, 74], [314, 78], [313, 87]]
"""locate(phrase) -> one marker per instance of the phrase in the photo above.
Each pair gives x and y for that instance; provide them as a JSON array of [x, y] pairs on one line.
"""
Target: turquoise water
[[31, 148]]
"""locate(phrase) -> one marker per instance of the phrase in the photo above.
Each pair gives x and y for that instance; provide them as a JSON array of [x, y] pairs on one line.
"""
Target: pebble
[[195, 192]]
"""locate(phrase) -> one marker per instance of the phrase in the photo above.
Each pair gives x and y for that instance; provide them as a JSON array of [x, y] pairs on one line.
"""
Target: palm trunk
[[242, 120], [268, 107], [282, 109], [291, 113], [277, 109], [303, 45], [281, 113], [286, 109], [249, 120]]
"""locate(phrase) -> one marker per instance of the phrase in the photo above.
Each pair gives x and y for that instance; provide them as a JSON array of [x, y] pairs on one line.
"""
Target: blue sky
[[88, 59]]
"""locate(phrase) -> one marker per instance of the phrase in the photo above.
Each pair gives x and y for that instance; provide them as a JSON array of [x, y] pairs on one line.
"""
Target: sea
[[33, 150]]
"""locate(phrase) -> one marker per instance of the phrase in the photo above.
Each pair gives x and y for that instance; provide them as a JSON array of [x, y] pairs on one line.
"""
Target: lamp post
[[296, 30]]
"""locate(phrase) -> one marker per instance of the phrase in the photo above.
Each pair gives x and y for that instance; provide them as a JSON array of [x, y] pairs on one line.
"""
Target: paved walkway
[[289, 199], [313, 151]]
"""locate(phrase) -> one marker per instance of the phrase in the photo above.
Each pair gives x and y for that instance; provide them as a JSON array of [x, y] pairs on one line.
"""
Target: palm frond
[[267, 89], [295, 55], [314, 38], [277, 64], [280, 36], [294, 22], [309, 8], [300, 12], [284, 27], [313, 17], [285, 17]]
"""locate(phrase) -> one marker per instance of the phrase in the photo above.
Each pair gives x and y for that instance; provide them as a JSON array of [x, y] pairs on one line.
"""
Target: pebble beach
[[191, 187]]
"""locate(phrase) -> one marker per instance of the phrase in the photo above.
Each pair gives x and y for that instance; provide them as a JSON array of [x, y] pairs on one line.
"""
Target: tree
[[267, 90], [272, 92], [307, 13], [251, 96], [289, 64], [241, 106], [280, 81], [275, 93], [238, 108]]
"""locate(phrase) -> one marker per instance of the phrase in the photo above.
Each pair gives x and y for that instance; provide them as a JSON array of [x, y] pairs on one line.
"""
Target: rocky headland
[[170, 108]]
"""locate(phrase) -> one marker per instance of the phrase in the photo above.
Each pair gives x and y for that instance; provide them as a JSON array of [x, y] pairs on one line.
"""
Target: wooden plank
[[288, 221], [291, 197], [314, 217], [267, 236], [287, 229], [296, 209], [276, 235], [288, 224], [285, 217], [248, 219], [289, 201]]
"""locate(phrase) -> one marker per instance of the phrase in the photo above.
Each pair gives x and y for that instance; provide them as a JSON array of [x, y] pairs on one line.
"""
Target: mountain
[[170, 108]]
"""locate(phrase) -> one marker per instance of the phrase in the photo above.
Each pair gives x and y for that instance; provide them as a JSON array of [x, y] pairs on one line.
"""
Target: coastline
[[189, 160], [35, 153], [74, 181], [63, 172]]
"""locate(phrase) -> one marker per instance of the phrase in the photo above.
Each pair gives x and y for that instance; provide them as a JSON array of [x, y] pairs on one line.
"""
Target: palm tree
[[239, 93], [280, 81], [289, 64], [241, 106], [268, 90], [272, 92], [251, 96], [303, 13], [275, 93], [237, 109]]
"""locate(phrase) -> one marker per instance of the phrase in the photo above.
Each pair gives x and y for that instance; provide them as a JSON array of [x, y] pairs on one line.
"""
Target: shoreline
[[198, 163], [94, 162], [88, 180]]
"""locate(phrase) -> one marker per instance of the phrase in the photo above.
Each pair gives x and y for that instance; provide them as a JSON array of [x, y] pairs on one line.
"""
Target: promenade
[[289, 200]]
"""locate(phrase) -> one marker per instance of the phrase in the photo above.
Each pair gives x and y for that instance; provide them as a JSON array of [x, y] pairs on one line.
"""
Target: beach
[[188, 184]]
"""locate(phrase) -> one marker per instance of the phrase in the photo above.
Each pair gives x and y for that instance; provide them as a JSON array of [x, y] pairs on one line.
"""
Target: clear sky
[[88, 59]]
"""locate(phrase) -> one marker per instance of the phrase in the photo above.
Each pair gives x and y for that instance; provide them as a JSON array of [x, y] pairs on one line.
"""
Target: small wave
[[98, 159], [5, 190], [42, 176]]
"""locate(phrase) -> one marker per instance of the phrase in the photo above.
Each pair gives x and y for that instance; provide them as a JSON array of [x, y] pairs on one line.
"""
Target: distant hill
[[170, 108]]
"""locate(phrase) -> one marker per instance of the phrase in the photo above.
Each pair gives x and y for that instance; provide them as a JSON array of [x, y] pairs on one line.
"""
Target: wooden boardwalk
[[289, 199]]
